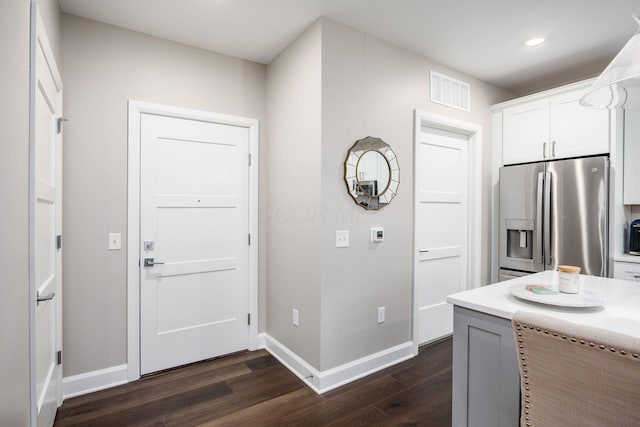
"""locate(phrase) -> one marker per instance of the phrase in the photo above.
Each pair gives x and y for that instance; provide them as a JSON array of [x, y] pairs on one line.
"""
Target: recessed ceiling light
[[536, 41]]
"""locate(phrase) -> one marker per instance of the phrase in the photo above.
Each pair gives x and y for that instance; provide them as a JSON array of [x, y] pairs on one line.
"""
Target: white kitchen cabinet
[[626, 271], [553, 127], [575, 130], [631, 180], [525, 132]]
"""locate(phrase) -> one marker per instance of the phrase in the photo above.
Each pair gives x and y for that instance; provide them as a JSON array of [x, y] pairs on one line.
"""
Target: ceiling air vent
[[450, 92]]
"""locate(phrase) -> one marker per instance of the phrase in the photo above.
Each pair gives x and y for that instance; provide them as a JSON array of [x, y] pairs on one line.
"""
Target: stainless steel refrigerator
[[554, 213]]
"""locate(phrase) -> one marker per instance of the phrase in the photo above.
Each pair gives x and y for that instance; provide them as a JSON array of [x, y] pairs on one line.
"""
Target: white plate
[[582, 299]]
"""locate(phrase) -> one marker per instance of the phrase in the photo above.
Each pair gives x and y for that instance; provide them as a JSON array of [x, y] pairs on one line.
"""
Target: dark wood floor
[[254, 389]]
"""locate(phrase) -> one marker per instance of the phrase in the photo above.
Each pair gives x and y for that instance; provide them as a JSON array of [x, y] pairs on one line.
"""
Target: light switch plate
[[115, 241], [342, 238]]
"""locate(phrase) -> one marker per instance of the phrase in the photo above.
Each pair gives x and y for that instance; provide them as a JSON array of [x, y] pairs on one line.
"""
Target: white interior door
[[441, 228], [194, 225], [45, 256]]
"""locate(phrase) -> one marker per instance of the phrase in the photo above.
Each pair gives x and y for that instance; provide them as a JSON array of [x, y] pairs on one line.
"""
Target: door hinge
[[59, 241], [59, 123], [59, 357], [248, 318], [249, 159], [249, 239]]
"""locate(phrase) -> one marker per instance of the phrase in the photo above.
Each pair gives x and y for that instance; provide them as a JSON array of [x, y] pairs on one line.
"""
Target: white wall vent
[[450, 92]]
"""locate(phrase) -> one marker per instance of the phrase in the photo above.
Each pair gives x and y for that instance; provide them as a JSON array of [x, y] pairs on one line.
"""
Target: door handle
[[539, 221], [43, 298], [423, 250], [544, 150], [149, 262], [548, 256], [553, 149]]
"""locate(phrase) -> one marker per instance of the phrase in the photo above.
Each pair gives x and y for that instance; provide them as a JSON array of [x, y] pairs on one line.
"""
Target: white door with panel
[[194, 248], [47, 224], [441, 228]]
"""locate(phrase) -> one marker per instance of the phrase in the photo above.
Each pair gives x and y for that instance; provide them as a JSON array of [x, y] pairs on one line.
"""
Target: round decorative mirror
[[371, 173]]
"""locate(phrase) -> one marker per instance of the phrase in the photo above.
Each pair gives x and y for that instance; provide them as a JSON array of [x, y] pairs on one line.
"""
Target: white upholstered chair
[[574, 375]]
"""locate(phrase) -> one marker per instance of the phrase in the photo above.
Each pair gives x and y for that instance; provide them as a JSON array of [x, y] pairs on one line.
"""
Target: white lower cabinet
[[626, 271]]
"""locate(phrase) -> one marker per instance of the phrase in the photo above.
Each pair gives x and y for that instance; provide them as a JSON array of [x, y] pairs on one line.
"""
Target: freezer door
[[521, 191], [578, 214]]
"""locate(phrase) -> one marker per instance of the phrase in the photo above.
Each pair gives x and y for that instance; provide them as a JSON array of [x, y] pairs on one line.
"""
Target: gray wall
[[105, 66], [365, 86], [370, 87], [14, 213], [294, 215]]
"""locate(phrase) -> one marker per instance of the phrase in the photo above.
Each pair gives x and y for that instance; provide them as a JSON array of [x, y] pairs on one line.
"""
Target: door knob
[[149, 262]]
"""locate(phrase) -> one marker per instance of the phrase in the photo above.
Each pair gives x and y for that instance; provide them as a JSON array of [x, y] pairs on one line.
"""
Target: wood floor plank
[[171, 404], [254, 389], [432, 362], [430, 399], [159, 379], [145, 394], [369, 416], [343, 404], [276, 381], [271, 410]]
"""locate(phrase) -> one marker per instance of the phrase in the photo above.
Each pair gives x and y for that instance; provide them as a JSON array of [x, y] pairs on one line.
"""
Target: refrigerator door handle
[[547, 218], [539, 256]]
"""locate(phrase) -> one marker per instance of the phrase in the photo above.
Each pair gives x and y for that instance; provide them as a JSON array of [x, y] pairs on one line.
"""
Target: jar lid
[[569, 269]]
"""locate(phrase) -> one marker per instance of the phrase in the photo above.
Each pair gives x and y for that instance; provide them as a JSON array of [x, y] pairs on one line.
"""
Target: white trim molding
[[323, 381], [474, 222], [136, 109], [89, 382]]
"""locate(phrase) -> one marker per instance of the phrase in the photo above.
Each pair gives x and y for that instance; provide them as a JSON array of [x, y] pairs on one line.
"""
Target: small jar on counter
[[568, 276]]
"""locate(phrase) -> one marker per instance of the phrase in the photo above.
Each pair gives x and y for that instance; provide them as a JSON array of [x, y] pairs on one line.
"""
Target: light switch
[[342, 238], [115, 241]]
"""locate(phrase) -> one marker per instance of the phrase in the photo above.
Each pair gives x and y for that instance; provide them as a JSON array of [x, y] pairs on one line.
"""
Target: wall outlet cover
[[342, 238]]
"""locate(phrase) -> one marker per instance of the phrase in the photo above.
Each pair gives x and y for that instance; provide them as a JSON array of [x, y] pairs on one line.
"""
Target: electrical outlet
[[296, 318], [342, 238], [381, 314]]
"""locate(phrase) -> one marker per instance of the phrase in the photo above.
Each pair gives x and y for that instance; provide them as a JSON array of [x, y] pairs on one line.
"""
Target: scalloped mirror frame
[[360, 189]]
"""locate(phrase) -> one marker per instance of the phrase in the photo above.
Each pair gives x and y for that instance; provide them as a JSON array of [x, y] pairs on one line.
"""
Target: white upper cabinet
[[553, 127], [526, 132], [631, 181], [575, 130]]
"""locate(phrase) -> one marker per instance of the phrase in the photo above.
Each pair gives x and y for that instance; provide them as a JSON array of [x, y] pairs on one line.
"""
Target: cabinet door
[[526, 132], [626, 271], [576, 130], [631, 181], [486, 377]]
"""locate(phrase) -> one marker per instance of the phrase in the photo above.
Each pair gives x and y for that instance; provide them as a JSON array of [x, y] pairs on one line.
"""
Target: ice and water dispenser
[[519, 239]]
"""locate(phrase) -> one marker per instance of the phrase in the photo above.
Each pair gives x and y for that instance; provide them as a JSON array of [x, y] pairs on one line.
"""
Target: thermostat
[[377, 234]]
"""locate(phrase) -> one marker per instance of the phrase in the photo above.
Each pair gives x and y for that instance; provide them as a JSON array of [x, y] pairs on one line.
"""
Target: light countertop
[[627, 258], [620, 311]]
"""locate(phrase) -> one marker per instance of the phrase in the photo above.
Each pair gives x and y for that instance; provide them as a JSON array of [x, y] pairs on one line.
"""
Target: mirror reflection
[[372, 173]]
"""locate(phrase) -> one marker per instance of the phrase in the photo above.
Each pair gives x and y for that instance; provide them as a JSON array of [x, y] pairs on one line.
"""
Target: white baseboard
[[89, 382], [323, 381]]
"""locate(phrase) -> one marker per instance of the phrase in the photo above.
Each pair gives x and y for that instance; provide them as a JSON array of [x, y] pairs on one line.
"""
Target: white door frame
[[136, 109], [474, 223]]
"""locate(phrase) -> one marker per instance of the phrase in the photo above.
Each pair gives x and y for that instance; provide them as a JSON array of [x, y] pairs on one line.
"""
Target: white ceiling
[[483, 38]]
